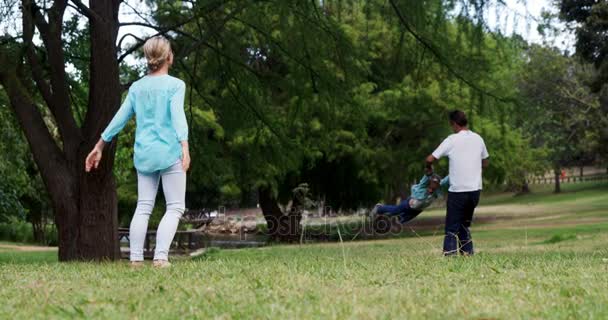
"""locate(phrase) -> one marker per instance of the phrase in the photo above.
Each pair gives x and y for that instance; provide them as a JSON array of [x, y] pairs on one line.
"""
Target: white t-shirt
[[465, 150]]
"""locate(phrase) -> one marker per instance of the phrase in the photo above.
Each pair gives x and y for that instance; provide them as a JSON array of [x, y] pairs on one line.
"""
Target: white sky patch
[[523, 17]]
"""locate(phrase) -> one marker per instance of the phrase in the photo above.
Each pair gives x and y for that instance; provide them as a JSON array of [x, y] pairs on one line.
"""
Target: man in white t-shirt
[[467, 154]]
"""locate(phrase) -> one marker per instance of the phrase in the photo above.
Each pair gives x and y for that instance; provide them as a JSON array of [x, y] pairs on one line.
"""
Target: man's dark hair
[[458, 117]]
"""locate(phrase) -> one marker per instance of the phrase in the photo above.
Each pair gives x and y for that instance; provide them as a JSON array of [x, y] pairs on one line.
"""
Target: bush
[[20, 231]]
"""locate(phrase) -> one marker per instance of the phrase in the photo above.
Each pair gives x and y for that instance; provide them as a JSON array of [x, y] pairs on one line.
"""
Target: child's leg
[[147, 186], [408, 215], [395, 210], [174, 187]]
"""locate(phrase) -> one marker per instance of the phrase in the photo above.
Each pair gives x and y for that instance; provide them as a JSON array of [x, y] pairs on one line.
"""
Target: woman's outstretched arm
[[119, 121], [121, 118]]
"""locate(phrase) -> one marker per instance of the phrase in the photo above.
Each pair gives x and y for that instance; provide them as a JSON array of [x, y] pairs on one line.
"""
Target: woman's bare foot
[[137, 264], [161, 264]]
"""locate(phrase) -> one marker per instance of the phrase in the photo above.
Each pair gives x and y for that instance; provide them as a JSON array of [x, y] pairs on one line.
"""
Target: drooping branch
[[160, 31], [248, 106], [119, 45], [139, 14], [305, 64], [431, 48], [136, 46]]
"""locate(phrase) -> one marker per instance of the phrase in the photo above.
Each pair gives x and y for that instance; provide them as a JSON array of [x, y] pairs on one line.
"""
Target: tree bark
[[85, 205]]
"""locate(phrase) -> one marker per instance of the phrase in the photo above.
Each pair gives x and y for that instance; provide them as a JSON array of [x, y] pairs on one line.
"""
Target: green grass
[[553, 269]]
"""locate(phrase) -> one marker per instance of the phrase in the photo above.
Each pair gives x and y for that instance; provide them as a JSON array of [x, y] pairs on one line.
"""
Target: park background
[[310, 112]]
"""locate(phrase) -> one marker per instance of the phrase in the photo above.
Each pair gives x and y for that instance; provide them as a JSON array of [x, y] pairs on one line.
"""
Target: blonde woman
[[161, 149]]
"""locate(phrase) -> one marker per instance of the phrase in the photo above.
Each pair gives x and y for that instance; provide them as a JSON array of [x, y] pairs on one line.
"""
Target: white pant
[[174, 187]]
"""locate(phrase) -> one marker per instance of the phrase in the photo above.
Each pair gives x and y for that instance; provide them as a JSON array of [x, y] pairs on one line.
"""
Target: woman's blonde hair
[[157, 51]]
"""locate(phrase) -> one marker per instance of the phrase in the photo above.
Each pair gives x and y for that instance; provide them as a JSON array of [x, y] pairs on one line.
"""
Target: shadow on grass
[[559, 238]]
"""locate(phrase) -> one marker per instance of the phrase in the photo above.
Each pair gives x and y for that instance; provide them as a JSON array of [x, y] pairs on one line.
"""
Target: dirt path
[[26, 248]]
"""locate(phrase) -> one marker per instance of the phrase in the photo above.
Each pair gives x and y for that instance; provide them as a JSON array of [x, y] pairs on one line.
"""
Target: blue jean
[[403, 210], [460, 209]]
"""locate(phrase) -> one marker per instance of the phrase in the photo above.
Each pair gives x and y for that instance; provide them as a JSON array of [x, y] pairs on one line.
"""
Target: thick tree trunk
[[96, 213], [84, 204], [281, 227], [88, 224]]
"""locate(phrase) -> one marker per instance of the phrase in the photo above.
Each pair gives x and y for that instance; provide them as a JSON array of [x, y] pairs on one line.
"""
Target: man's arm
[[442, 150], [429, 164], [484, 156]]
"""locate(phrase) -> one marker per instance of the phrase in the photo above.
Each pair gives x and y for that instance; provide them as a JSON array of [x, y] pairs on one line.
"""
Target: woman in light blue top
[[161, 149]]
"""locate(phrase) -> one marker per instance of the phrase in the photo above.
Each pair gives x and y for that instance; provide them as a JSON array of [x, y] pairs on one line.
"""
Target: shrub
[[20, 231]]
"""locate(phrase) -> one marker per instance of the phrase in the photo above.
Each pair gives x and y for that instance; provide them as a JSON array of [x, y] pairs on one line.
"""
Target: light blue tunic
[[158, 105]]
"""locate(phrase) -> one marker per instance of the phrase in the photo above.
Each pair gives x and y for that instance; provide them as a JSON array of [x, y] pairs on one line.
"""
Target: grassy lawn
[[542, 265]]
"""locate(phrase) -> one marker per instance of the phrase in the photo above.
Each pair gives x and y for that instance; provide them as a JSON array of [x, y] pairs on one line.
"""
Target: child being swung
[[430, 187]]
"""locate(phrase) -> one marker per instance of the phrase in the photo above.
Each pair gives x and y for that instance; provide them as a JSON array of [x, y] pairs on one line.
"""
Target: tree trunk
[[38, 230], [525, 188], [85, 205], [581, 171], [91, 215], [281, 227], [558, 187]]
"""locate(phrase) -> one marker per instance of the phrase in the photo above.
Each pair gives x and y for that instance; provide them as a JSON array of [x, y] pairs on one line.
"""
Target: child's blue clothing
[[419, 200]]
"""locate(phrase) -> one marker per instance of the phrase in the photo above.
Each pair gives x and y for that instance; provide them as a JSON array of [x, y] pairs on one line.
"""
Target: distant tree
[[558, 109], [591, 18]]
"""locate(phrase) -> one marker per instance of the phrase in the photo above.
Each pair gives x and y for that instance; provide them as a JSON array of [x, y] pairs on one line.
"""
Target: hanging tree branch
[[119, 45], [161, 31], [429, 46]]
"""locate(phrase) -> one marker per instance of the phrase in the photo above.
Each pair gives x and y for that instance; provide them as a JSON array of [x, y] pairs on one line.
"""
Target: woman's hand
[[185, 156], [94, 157], [186, 162]]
